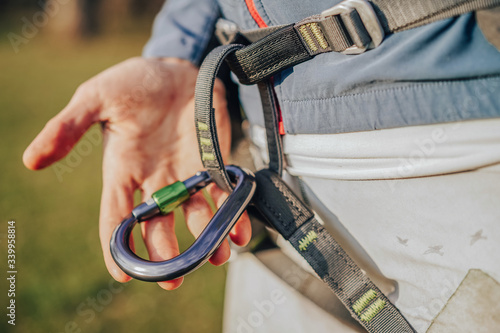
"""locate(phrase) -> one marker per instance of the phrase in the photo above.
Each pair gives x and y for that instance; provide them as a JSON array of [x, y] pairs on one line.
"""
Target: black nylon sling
[[256, 63]]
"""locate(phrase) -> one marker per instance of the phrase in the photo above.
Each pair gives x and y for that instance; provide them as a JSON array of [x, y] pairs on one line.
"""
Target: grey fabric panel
[[283, 48], [423, 76], [395, 105], [454, 83]]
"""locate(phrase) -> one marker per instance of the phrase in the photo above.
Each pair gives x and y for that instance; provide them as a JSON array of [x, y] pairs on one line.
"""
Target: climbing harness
[[351, 27]]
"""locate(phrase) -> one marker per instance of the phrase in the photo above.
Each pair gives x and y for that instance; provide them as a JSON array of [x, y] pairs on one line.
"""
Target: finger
[[161, 243], [116, 202], [241, 233], [62, 132], [159, 232], [221, 255], [197, 213]]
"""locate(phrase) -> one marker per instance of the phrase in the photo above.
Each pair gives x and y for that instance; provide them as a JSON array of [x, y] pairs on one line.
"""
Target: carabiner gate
[[166, 200]]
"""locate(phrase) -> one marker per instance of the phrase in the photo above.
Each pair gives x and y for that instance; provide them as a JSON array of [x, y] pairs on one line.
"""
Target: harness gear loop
[[206, 129]]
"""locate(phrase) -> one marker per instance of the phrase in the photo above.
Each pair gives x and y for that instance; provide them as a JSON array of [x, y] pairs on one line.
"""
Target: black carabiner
[[202, 248]]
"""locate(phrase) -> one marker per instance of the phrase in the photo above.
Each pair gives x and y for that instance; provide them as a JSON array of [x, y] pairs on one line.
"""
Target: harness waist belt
[[350, 27]]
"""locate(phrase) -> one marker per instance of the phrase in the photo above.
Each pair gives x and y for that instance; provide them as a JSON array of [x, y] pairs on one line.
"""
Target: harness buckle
[[165, 201], [226, 31], [368, 17]]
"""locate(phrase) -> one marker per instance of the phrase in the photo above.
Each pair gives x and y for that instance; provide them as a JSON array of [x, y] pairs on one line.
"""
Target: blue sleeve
[[183, 29]]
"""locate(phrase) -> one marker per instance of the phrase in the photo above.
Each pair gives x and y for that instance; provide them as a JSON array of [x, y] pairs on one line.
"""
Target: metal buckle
[[368, 17], [164, 201], [225, 31]]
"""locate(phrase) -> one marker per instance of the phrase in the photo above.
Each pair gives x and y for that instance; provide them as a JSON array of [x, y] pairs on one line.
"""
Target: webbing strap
[[399, 15], [270, 108], [351, 27], [297, 224], [206, 130], [305, 283]]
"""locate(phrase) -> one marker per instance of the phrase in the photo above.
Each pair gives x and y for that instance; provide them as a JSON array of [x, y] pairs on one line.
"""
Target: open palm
[[146, 107]]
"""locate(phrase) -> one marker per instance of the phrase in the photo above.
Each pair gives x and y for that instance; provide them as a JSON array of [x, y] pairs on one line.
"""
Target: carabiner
[[165, 201]]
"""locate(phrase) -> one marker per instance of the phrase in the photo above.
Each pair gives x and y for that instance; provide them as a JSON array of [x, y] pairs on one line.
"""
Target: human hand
[[146, 107]]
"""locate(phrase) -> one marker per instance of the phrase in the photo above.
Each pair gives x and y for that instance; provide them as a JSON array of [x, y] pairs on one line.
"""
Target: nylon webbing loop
[[206, 130], [297, 224], [351, 27], [266, 57]]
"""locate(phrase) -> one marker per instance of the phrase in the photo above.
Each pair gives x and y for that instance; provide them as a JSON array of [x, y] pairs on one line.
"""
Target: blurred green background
[[62, 283]]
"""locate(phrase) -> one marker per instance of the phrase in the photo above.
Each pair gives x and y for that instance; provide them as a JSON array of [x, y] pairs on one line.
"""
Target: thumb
[[63, 131]]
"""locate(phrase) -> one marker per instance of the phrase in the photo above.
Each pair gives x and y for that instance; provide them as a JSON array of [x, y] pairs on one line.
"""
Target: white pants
[[419, 206]]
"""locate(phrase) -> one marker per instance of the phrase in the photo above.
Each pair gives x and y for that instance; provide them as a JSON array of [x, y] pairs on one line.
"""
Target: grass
[[59, 261]]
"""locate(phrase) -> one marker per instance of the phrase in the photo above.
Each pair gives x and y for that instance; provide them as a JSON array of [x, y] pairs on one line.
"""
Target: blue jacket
[[442, 72]]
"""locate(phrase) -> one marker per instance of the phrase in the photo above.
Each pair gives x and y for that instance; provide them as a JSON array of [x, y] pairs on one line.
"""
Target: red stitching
[[255, 14], [262, 24]]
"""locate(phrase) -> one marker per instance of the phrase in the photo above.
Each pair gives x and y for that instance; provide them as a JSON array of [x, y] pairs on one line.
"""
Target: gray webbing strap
[[297, 224], [399, 15], [307, 284], [206, 130], [270, 108], [263, 247]]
